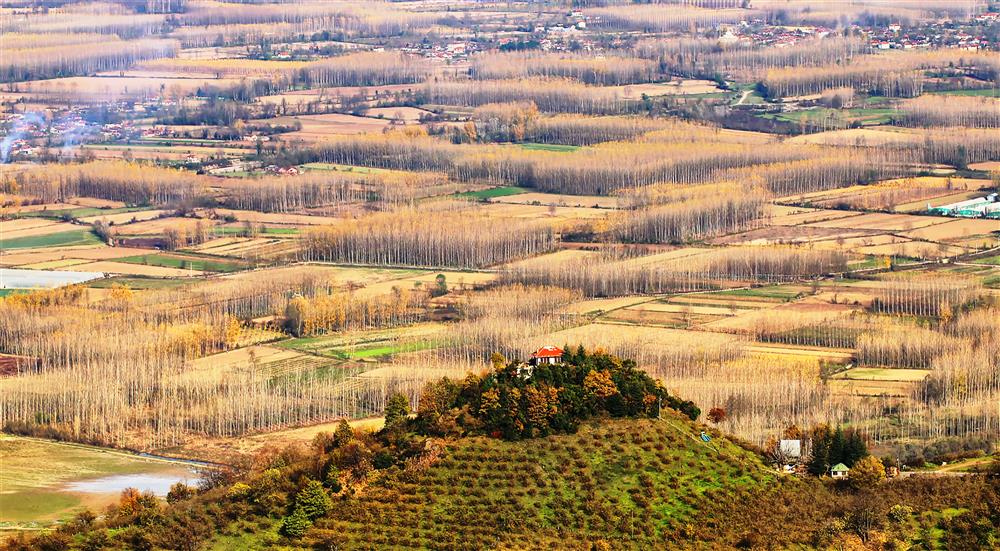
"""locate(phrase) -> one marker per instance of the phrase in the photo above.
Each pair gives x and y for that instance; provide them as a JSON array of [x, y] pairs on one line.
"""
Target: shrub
[[296, 524], [866, 473]]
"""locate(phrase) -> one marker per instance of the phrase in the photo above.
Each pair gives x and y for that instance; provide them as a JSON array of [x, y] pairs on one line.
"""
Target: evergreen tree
[[343, 434], [837, 443], [313, 500], [396, 410], [854, 448], [820, 460], [295, 524]]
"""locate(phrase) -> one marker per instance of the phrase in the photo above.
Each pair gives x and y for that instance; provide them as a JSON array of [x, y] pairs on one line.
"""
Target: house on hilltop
[[547, 355]]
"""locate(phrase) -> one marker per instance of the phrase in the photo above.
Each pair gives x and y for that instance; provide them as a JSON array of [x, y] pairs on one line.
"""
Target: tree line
[[449, 236]]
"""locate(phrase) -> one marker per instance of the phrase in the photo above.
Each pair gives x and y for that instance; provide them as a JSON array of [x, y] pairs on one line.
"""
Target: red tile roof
[[548, 352]]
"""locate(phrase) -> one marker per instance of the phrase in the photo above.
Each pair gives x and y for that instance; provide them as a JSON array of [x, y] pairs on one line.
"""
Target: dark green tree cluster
[[515, 400], [830, 447]]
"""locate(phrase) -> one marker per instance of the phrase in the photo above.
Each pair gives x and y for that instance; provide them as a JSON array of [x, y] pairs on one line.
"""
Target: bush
[[313, 500], [900, 513], [296, 524], [866, 473]]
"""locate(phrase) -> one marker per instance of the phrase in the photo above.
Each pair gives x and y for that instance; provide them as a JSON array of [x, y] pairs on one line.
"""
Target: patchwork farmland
[[227, 227]]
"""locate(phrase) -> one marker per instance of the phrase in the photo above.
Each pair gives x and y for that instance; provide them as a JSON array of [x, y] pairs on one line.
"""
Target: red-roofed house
[[547, 355]]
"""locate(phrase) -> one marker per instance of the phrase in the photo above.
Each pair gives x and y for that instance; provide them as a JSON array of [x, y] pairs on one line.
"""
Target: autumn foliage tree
[[517, 401]]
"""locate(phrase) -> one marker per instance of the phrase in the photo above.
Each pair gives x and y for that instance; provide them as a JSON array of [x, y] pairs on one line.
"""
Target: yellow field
[[318, 127], [234, 246], [30, 208], [160, 225], [609, 334], [560, 256], [407, 114], [31, 227], [55, 264], [805, 311], [275, 218], [913, 249], [218, 365], [553, 214], [560, 200], [600, 305], [865, 136], [794, 216], [988, 166], [96, 203], [126, 268], [681, 87], [847, 387], [955, 229], [55, 254], [881, 221]]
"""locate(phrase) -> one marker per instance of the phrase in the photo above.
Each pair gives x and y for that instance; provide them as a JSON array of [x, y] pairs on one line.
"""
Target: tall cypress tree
[[855, 448], [819, 461], [837, 443]]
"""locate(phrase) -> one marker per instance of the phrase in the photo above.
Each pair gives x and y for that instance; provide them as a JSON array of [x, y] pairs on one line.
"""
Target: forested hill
[[613, 484], [637, 481]]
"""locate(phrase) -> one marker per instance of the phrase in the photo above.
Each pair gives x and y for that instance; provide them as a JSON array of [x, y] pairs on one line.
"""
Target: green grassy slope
[[635, 480]]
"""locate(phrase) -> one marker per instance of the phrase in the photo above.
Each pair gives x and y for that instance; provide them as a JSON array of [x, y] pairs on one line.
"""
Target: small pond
[[158, 483]]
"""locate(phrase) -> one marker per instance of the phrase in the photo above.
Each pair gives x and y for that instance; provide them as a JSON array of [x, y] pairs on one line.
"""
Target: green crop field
[[990, 260], [138, 283], [374, 344], [984, 92], [185, 261], [344, 168], [8, 292], [493, 192], [82, 212], [61, 239], [784, 293], [550, 147], [235, 231], [835, 117]]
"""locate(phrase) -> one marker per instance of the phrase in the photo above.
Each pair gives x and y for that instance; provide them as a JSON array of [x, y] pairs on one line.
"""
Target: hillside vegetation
[[614, 484], [641, 481]]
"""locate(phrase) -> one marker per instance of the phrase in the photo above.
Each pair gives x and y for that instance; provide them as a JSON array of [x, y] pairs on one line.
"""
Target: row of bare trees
[[521, 122], [142, 184], [555, 95], [110, 54], [938, 295], [894, 74], [601, 276], [655, 18], [352, 69], [707, 57], [693, 219], [342, 310], [674, 153], [327, 188], [129, 369], [603, 70], [125, 25], [131, 183], [958, 111], [452, 235]]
